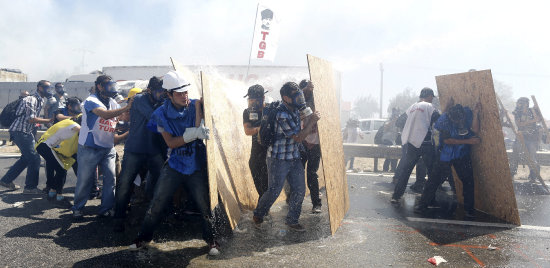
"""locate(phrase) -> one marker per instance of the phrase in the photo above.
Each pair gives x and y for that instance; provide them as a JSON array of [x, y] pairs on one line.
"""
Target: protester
[[526, 121], [351, 132], [389, 136], [417, 140], [60, 95], [22, 133], [96, 145], [143, 148], [458, 128], [71, 109], [58, 146], [283, 157], [50, 104], [252, 117], [312, 150], [178, 122]]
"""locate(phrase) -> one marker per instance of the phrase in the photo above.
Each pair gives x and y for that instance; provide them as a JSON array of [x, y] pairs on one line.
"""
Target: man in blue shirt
[[458, 128], [283, 157], [143, 148], [96, 146], [178, 122]]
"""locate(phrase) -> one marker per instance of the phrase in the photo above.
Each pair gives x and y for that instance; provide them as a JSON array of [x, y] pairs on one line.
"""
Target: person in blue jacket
[[458, 128], [181, 124]]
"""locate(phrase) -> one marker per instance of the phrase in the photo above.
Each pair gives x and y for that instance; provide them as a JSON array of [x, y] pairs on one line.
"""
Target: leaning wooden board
[[494, 192], [210, 152], [332, 150]]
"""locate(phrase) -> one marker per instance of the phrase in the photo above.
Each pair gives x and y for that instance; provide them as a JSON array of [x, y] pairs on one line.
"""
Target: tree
[[504, 92], [403, 100], [365, 107]]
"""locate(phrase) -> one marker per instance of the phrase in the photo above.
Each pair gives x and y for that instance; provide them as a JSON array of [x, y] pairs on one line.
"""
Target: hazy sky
[[415, 40]]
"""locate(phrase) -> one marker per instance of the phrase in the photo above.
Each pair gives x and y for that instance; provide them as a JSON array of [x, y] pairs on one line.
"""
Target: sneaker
[[214, 249], [316, 209], [470, 214], [257, 221], [419, 210], [296, 227], [394, 201], [32, 191], [77, 215], [10, 186], [106, 214], [138, 244]]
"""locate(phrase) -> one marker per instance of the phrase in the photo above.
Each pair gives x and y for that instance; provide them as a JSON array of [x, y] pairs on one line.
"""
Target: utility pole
[[381, 87]]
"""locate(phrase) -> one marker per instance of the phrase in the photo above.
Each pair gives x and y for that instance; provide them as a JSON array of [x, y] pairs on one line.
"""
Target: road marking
[[10, 155], [481, 224]]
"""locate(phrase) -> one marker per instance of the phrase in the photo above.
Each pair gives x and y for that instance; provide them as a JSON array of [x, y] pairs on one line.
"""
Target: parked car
[[369, 127]]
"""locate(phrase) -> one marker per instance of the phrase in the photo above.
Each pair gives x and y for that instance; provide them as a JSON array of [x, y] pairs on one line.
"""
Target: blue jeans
[[278, 171], [131, 165], [196, 187], [88, 159], [29, 159]]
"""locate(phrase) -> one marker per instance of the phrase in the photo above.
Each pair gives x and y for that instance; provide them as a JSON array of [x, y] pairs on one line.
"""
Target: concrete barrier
[[394, 152]]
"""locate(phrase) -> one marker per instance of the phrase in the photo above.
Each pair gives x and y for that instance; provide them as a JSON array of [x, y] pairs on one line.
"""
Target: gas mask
[[110, 89], [254, 108], [456, 115], [299, 102], [47, 91], [158, 95]]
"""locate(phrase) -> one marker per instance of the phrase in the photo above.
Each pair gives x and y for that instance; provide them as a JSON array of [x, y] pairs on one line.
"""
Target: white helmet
[[174, 81]]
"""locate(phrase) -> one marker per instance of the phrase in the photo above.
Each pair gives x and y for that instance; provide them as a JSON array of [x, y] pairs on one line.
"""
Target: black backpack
[[8, 113], [266, 135]]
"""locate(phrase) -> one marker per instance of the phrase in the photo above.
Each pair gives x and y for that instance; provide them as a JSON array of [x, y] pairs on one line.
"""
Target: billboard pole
[[252, 42]]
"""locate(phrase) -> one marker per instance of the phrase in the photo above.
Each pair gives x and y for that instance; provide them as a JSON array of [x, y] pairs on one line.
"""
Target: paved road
[[373, 234]]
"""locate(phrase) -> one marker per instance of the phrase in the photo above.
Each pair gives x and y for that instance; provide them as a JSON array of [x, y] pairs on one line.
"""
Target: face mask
[[158, 95], [60, 90], [254, 108], [110, 89], [299, 102]]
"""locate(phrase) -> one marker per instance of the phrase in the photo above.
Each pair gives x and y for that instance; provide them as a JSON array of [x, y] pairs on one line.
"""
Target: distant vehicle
[[369, 127]]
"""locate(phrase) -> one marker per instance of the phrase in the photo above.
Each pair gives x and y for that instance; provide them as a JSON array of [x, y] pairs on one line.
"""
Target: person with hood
[[96, 146], [180, 121], [22, 132], [458, 128], [143, 148]]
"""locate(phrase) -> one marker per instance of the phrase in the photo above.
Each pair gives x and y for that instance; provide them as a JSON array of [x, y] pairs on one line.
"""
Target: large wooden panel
[[210, 153], [494, 192], [331, 141]]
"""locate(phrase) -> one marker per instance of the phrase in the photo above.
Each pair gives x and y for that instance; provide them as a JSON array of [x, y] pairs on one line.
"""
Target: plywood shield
[[332, 150], [210, 153], [494, 192]]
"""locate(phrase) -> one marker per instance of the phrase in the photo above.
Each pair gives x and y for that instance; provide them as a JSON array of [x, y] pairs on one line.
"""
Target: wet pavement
[[373, 234]]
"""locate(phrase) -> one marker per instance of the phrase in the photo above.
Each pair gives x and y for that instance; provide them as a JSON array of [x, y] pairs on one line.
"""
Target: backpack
[[8, 113], [266, 135]]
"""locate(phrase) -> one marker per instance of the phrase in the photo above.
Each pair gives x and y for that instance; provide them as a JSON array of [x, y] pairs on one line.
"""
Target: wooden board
[[210, 155], [330, 136], [494, 192]]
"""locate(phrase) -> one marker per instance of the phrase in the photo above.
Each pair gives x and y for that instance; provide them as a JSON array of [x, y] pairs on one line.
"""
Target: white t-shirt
[[419, 116], [61, 135]]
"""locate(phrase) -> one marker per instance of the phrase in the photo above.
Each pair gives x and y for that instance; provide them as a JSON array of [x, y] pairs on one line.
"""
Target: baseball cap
[[174, 81], [255, 92], [133, 92], [426, 92]]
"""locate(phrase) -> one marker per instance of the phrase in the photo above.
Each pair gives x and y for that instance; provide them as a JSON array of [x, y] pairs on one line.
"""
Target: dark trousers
[[196, 187], [29, 159], [464, 170], [258, 167], [312, 157], [131, 166], [388, 163], [407, 163], [56, 175]]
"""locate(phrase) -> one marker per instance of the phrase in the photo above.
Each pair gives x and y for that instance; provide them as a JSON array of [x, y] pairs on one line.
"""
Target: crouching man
[[458, 128], [178, 121]]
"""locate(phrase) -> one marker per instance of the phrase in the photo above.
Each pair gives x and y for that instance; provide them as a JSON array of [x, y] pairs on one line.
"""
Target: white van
[[369, 127]]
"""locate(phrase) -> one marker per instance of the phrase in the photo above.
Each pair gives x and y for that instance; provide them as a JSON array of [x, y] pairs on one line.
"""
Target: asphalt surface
[[374, 233]]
